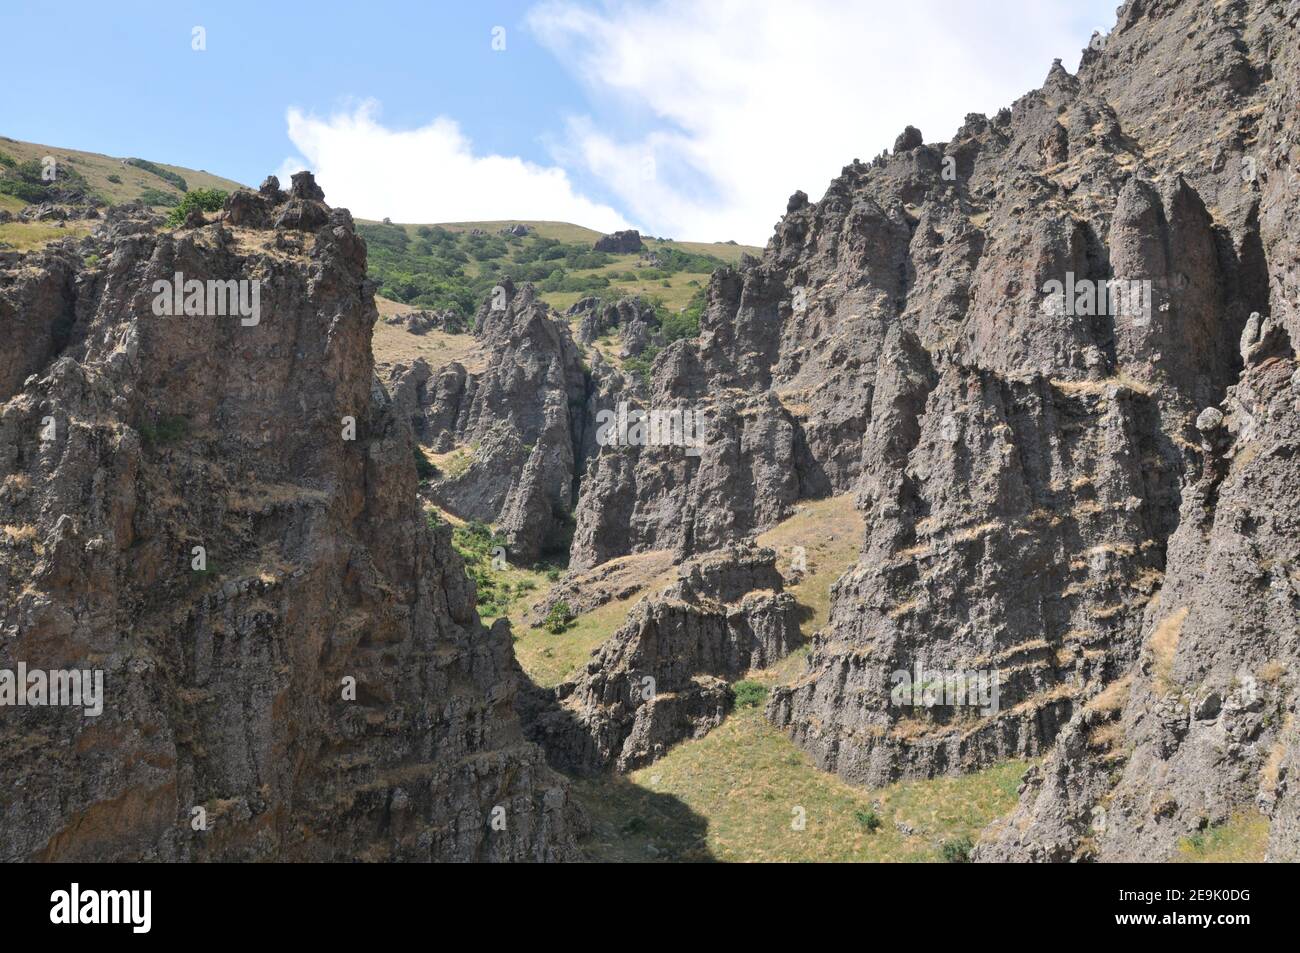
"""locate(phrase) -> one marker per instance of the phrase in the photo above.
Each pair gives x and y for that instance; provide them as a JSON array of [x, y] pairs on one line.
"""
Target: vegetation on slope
[[744, 792], [456, 266], [115, 180]]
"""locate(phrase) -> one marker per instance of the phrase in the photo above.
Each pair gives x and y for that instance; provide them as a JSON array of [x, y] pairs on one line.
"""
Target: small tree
[[205, 200], [748, 693], [958, 851], [559, 618]]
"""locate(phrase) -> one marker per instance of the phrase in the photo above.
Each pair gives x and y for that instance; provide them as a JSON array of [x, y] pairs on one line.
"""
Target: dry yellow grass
[[1112, 697], [1242, 839], [1164, 644], [29, 236], [393, 344], [550, 658], [739, 793], [96, 168], [830, 532]]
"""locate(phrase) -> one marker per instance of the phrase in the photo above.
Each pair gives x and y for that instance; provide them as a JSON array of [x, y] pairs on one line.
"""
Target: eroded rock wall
[[320, 685]]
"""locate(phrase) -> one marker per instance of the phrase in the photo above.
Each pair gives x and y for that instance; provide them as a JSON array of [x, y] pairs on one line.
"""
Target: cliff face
[[524, 414], [1053, 359], [663, 676], [315, 678]]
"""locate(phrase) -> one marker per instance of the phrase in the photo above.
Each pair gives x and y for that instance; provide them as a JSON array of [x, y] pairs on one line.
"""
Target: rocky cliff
[[1053, 359], [665, 675], [522, 419], [217, 511]]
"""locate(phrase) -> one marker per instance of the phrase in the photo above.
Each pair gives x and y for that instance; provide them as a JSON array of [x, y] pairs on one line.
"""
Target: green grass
[[830, 531], [1242, 839], [749, 693], [447, 266], [132, 181], [732, 795], [165, 431], [26, 236], [499, 587], [550, 658]]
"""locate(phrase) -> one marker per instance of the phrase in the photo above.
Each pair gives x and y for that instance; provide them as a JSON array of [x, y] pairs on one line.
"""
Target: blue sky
[[687, 119]]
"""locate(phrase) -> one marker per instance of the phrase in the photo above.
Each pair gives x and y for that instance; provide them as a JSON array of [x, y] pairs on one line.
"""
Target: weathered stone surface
[[1203, 732], [620, 243], [127, 439], [521, 421], [664, 675]]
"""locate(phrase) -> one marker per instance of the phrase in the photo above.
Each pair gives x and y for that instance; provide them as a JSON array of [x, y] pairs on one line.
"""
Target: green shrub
[[558, 619], [748, 693], [159, 171], [7, 160], [958, 851], [206, 200], [868, 820], [115, 179], [30, 192], [157, 197]]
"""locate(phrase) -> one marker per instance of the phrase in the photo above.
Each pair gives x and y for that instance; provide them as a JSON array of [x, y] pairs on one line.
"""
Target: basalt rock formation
[[1051, 358], [620, 243], [631, 318], [521, 420], [220, 516], [664, 676]]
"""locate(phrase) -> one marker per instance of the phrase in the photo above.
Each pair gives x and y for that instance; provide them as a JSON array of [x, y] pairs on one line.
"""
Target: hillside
[[453, 266], [113, 178]]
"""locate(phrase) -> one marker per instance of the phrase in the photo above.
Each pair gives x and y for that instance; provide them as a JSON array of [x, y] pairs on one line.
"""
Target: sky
[[687, 119]]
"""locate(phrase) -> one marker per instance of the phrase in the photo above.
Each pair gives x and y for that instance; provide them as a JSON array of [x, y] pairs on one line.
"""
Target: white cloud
[[430, 174], [746, 101]]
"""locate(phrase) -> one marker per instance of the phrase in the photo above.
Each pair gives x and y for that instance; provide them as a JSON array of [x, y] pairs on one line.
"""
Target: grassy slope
[[830, 531], [674, 291], [393, 344], [732, 794], [549, 659], [1243, 839], [26, 236], [565, 232], [96, 169]]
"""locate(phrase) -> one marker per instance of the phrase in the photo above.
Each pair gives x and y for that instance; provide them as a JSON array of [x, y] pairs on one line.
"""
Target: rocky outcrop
[[664, 676], [422, 322], [1009, 345], [520, 424], [633, 319], [218, 515], [620, 243], [1205, 731]]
